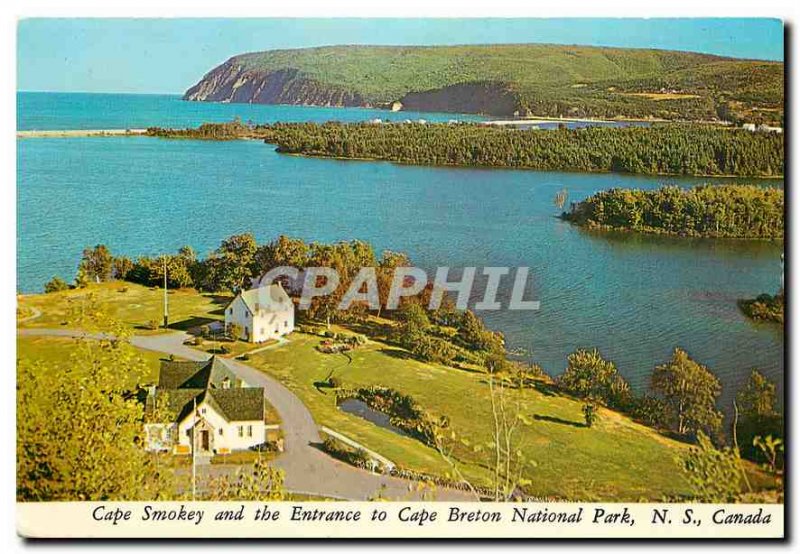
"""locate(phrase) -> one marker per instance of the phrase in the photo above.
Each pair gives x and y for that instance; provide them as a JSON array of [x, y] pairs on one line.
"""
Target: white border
[[786, 10]]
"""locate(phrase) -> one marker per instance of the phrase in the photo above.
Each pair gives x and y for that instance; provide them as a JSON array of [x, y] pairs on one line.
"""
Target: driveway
[[308, 470]]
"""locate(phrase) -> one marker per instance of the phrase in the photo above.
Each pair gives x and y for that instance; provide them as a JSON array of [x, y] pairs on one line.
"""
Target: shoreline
[[72, 133]]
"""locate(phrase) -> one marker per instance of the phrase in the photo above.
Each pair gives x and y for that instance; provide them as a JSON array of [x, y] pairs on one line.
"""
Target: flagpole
[[166, 307]]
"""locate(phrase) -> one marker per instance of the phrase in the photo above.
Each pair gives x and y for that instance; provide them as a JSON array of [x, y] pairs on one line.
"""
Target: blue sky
[[170, 55]]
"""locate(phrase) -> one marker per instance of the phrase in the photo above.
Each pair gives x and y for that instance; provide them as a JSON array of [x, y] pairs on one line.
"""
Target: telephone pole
[[166, 305]]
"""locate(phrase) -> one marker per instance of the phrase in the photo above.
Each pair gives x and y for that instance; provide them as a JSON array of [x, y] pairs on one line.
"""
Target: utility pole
[[166, 306]]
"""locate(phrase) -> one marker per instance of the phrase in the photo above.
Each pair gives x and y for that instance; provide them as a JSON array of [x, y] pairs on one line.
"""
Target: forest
[[657, 150], [731, 211]]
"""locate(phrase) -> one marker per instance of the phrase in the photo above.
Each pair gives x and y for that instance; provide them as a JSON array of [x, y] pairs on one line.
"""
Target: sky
[[170, 55]]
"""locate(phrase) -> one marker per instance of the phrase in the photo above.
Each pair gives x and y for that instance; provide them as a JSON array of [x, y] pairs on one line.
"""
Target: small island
[[720, 211], [765, 307]]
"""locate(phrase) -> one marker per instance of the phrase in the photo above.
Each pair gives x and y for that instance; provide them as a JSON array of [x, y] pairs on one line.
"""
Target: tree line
[[735, 211], [655, 150]]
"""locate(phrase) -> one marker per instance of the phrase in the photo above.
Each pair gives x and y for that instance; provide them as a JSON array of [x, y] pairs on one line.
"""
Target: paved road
[[308, 469]]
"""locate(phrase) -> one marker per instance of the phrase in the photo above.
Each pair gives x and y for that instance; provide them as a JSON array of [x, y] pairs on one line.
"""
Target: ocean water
[[634, 297]]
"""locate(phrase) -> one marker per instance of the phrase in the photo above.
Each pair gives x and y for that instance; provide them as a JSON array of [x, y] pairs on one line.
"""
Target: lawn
[[617, 459], [135, 305], [58, 349]]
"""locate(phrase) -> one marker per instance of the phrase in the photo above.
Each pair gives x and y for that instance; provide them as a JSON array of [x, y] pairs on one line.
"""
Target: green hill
[[527, 79]]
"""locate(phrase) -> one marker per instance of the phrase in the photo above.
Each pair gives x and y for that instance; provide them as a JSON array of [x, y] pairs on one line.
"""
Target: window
[[230, 311], [249, 430], [241, 431], [220, 431], [285, 324], [262, 331], [202, 411]]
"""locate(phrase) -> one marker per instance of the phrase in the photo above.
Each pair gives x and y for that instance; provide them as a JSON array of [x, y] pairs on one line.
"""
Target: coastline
[[72, 133]]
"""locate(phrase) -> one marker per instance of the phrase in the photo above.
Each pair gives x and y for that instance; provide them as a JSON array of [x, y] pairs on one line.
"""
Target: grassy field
[[615, 460], [59, 349], [134, 305]]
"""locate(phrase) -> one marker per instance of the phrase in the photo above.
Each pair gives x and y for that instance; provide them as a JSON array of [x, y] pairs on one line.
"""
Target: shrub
[[56, 284], [589, 414], [334, 382], [152, 324]]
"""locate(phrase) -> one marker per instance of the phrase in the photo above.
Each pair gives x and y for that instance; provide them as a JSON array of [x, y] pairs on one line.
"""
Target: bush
[[56, 284], [152, 324], [589, 414], [335, 382]]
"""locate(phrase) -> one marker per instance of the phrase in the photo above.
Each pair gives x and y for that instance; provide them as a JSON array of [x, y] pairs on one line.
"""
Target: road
[[307, 469]]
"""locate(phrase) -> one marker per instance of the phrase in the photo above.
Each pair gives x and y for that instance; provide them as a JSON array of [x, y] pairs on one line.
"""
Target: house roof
[[236, 404], [270, 298], [242, 404], [194, 375], [187, 383]]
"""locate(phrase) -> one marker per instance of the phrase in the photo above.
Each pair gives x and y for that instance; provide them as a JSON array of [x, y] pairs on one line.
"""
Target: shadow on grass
[[191, 323], [551, 419], [397, 353], [219, 298]]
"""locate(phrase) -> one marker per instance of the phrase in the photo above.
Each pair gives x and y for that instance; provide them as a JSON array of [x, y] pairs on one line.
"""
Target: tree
[[714, 475], [689, 391], [80, 428], [56, 284], [589, 376], [260, 481], [96, 264], [284, 251], [389, 262], [757, 398], [756, 414], [414, 324], [230, 266]]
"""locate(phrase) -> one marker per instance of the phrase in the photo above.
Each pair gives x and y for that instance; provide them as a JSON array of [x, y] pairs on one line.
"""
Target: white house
[[207, 408], [261, 313]]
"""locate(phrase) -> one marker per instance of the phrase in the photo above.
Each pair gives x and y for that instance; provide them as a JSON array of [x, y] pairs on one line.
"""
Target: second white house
[[261, 314]]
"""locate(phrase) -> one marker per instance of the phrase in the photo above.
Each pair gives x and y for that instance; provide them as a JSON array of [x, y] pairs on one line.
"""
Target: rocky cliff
[[231, 82]]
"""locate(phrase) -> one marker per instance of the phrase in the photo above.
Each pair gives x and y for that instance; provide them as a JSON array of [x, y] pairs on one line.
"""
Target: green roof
[[242, 404], [194, 375], [187, 383]]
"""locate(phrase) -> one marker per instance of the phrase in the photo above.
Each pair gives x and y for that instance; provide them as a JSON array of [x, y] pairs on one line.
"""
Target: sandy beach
[[71, 133]]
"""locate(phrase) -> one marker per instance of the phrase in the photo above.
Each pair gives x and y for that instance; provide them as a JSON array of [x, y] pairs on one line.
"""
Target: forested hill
[[522, 79]]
